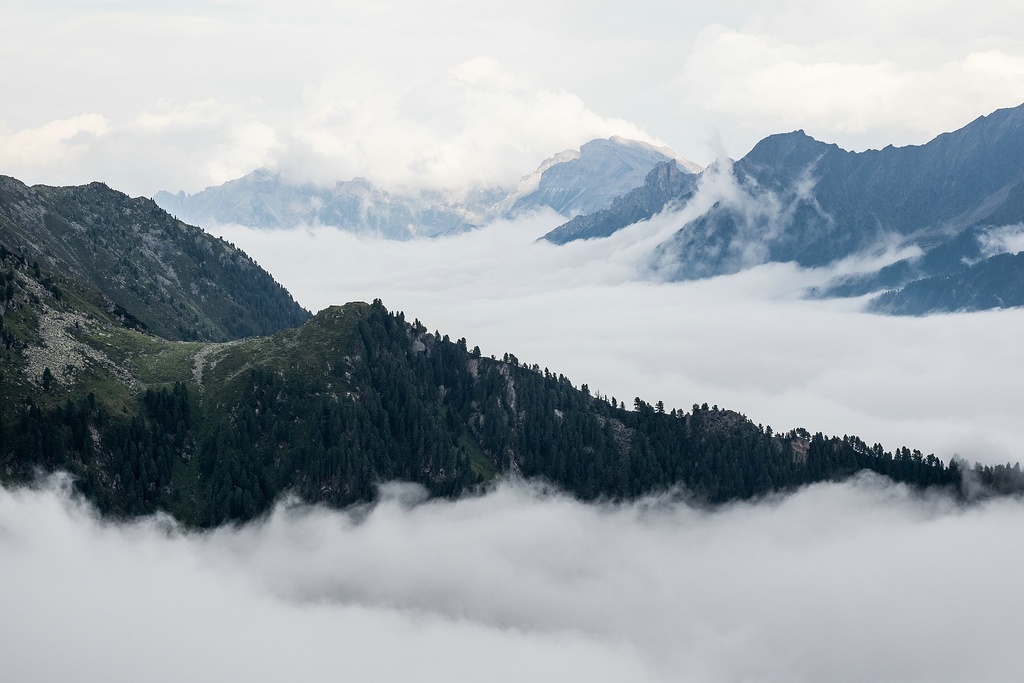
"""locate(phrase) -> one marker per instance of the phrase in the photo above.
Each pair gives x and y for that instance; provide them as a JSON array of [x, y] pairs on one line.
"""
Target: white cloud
[[853, 582], [250, 145], [484, 70], [478, 124], [770, 84], [1006, 238], [166, 114], [473, 125], [52, 143], [425, 94]]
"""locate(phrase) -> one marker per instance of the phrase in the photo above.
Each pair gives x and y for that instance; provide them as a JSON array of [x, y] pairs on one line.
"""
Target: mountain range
[[324, 408], [795, 199], [570, 183], [950, 203]]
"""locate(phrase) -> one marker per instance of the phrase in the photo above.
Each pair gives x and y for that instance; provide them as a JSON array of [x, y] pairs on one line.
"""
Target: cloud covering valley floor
[[844, 582]]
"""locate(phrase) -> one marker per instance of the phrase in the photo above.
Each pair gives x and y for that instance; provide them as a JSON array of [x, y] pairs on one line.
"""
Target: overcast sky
[[185, 94]]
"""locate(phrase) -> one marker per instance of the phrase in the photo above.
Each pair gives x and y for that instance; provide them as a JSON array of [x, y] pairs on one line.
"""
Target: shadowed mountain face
[[664, 186], [996, 282], [173, 278], [796, 199], [570, 183], [806, 201], [355, 397]]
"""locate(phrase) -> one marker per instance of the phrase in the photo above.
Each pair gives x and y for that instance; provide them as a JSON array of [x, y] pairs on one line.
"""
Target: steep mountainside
[[793, 198], [805, 201], [355, 397], [814, 203], [173, 278]]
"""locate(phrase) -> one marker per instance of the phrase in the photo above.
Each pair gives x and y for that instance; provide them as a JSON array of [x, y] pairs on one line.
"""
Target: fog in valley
[[843, 582]]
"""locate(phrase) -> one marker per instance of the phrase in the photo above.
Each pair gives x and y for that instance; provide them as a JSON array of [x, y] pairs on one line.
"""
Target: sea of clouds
[[860, 581]]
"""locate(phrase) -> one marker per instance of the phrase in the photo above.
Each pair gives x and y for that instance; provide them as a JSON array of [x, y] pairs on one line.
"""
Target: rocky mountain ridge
[[173, 278]]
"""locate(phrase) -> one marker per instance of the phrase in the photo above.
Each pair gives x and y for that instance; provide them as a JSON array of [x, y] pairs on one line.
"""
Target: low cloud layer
[[945, 384], [851, 582]]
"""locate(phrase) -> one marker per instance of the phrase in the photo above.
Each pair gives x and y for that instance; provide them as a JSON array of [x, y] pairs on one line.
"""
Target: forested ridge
[[358, 396]]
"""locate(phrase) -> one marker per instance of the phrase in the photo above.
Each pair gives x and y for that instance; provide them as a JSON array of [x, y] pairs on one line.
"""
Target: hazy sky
[[181, 95]]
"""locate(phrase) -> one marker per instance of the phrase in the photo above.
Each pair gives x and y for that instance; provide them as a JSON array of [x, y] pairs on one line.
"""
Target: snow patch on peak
[[664, 150]]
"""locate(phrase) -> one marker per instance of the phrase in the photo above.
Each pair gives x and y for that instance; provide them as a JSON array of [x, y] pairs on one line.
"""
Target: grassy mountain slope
[[173, 278]]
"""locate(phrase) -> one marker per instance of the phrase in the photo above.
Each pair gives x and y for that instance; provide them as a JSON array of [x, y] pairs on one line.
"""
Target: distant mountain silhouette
[[571, 183]]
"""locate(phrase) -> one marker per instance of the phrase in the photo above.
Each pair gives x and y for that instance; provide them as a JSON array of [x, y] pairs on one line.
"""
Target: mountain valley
[[165, 369], [355, 397]]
